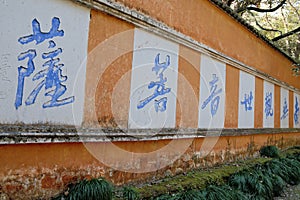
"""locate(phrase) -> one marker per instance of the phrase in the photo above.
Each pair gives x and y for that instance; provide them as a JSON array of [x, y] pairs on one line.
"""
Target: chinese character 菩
[[160, 89]]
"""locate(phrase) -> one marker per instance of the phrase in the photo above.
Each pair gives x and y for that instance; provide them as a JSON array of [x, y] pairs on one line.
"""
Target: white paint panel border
[[247, 96], [268, 105], [74, 21], [210, 70], [147, 48], [284, 103], [296, 111]]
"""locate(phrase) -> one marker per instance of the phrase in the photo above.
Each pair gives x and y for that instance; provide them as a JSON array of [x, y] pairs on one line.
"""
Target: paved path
[[290, 193]]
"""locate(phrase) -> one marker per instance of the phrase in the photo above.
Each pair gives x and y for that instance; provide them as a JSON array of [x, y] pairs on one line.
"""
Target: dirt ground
[[290, 193]]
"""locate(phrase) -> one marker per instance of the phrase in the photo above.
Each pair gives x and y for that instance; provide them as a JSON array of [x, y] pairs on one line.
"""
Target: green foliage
[[293, 167], [223, 192], [190, 195], [252, 182], [278, 184], [197, 179], [288, 169], [267, 180], [269, 151], [279, 22], [184, 195], [216, 193], [296, 69], [94, 189], [130, 193], [259, 180]]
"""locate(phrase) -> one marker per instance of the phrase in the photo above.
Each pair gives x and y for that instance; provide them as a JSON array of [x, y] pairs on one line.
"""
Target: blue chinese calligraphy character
[[213, 98], [161, 66], [296, 114], [248, 101], [161, 104], [160, 88], [24, 72], [268, 104], [39, 36], [53, 80], [51, 76], [285, 110]]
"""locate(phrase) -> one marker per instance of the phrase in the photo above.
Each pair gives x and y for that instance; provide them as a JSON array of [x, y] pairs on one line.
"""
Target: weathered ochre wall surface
[[29, 171], [32, 171], [110, 99], [112, 76], [210, 25]]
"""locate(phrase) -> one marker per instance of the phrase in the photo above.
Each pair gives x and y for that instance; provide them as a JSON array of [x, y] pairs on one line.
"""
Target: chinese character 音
[[50, 77], [296, 114], [160, 104], [214, 97], [248, 101], [285, 110], [268, 105]]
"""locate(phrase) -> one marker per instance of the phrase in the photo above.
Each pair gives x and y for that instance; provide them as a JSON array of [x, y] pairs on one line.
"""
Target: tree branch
[[267, 10], [261, 27], [286, 34], [229, 2], [295, 9]]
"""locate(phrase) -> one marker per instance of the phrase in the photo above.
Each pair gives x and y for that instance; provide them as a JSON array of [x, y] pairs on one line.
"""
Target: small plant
[[217, 193], [94, 189], [288, 169], [253, 183], [165, 197], [293, 166], [269, 151], [262, 181], [234, 194], [191, 195], [130, 194], [278, 185]]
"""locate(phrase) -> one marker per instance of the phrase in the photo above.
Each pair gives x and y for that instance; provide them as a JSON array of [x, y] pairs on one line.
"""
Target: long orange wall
[[106, 144], [206, 23]]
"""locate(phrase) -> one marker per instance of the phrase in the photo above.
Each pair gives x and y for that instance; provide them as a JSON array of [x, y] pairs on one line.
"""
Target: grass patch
[[94, 189], [197, 179], [269, 151], [255, 179], [130, 193], [261, 178]]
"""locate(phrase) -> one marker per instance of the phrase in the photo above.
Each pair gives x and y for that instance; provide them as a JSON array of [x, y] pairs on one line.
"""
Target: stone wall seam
[[138, 135]]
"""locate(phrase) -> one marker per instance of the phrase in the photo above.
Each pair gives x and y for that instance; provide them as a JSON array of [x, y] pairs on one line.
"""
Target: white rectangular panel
[[246, 100], [284, 108], [296, 109], [212, 93], [42, 55], [268, 105], [153, 82]]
